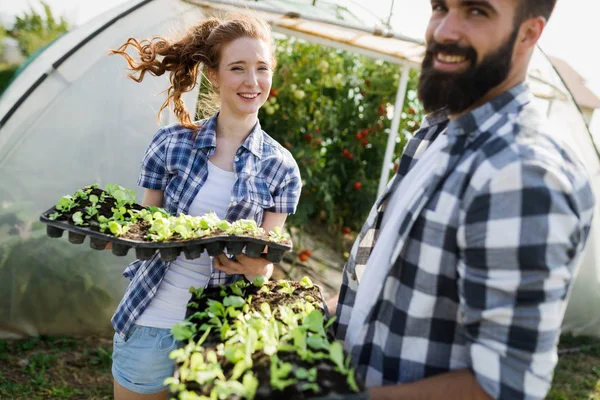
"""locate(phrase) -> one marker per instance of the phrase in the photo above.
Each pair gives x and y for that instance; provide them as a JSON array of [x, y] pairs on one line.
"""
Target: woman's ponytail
[[181, 59]]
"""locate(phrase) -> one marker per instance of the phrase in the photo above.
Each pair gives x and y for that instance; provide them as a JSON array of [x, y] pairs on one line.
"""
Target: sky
[[571, 34]]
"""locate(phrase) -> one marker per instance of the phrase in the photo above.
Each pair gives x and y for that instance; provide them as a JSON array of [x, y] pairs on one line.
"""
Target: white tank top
[[168, 306]]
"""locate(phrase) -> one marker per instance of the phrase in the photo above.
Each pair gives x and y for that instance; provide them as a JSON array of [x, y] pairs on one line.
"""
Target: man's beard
[[458, 91]]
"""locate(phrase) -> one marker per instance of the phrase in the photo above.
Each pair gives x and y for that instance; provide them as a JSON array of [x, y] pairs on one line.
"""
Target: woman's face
[[244, 76]]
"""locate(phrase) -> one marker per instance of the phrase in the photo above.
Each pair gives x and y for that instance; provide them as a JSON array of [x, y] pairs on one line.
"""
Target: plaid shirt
[[268, 179], [480, 272]]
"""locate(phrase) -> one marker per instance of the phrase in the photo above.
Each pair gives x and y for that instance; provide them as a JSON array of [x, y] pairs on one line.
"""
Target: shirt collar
[[207, 133], [254, 141], [206, 137], [508, 102]]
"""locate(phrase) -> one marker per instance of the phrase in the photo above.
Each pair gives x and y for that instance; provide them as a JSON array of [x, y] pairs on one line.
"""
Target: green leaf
[[234, 301], [266, 310], [314, 322], [260, 280], [66, 203], [336, 354], [306, 283], [183, 330], [241, 367], [235, 289], [330, 322], [317, 342], [78, 218], [350, 378], [250, 383]]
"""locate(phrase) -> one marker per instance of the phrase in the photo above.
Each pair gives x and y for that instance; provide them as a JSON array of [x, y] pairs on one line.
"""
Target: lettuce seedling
[[286, 288], [234, 301], [117, 229], [183, 330], [54, 215], [260, 280], [78, 218], [277, 236], [279, 371], [66, 203], [122, 196], [306, 283]]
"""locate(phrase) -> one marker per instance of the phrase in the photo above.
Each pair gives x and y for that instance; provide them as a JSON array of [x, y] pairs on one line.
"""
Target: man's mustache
[[452, 49]]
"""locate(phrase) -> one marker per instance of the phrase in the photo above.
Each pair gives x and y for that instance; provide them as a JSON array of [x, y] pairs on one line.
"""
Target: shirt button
[[236, 159], [265, 202]]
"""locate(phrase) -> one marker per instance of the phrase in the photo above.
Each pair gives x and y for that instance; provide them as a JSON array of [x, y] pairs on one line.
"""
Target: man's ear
[[529, 33]]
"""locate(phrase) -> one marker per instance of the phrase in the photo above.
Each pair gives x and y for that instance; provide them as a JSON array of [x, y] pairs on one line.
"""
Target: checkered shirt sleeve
[[153, 174], [519, 233]]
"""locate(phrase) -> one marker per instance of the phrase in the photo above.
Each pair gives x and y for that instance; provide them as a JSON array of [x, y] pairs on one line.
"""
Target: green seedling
[[78, 218], [183, 330], [66, 203], [54, 215], [286, 287]]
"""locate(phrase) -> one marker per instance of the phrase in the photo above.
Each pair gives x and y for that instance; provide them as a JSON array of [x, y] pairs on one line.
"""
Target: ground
[[79, 368], [50, 367]]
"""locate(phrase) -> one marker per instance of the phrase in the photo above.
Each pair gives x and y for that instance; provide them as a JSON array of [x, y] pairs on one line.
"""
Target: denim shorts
[[141, 362]]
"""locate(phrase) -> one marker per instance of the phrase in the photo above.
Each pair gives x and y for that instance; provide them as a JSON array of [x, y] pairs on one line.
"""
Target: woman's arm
[[271, 220], [153, 197]]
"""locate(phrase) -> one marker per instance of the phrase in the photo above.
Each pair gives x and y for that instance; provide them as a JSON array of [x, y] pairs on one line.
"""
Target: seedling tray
[[327, 380], [169, 251]]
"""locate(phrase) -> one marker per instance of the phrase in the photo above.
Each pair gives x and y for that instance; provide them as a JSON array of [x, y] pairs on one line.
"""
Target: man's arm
[[520, 233], [460, 385]]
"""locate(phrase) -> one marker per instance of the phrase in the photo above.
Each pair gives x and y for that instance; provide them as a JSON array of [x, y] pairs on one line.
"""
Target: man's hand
[[460, 385], [247, 266], [332, 304]]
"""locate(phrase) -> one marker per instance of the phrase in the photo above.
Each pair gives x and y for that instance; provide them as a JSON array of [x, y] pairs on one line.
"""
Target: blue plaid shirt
[[268, 179]]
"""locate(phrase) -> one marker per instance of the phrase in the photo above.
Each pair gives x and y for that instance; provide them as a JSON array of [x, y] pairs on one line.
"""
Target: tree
[[332, 109], [34, 31], [2, 35]]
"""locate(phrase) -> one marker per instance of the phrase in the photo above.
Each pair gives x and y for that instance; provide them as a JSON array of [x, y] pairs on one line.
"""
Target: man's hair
[[535, 8]]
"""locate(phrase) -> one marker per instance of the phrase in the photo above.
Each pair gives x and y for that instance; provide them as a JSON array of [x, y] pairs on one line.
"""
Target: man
[[457, 284]]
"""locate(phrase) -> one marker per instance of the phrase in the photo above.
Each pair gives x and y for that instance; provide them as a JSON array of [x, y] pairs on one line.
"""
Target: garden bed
[[112, 216], [266, 340]]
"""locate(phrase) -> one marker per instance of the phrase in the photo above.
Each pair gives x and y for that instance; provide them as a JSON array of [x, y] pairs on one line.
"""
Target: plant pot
[[144, 253], [275, 255], [120, 249], [215, 248], [235, 247], [76, 238], [53, 231], [97, 243], [170, 253], [193, 252], [254, 249]]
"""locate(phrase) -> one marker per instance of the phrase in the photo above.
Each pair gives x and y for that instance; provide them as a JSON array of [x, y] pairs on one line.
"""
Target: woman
[[225, 164]]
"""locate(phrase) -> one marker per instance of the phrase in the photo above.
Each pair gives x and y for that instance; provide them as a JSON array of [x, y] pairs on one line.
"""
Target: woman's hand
[[244, 265]]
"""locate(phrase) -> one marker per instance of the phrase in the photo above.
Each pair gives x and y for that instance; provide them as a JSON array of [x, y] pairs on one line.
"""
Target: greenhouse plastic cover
[[85, 123], [71, 118]]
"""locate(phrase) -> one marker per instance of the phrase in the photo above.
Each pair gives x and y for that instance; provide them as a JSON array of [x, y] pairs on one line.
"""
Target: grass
[[6, 74], [79, 368], [577, 375], [55, 368]]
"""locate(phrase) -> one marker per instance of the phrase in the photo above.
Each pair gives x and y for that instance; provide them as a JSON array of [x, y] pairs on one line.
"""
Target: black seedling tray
[[169, 251], [277, 395]]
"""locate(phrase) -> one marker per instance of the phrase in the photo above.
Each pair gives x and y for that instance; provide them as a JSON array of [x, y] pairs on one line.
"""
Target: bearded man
[[457, 285]]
